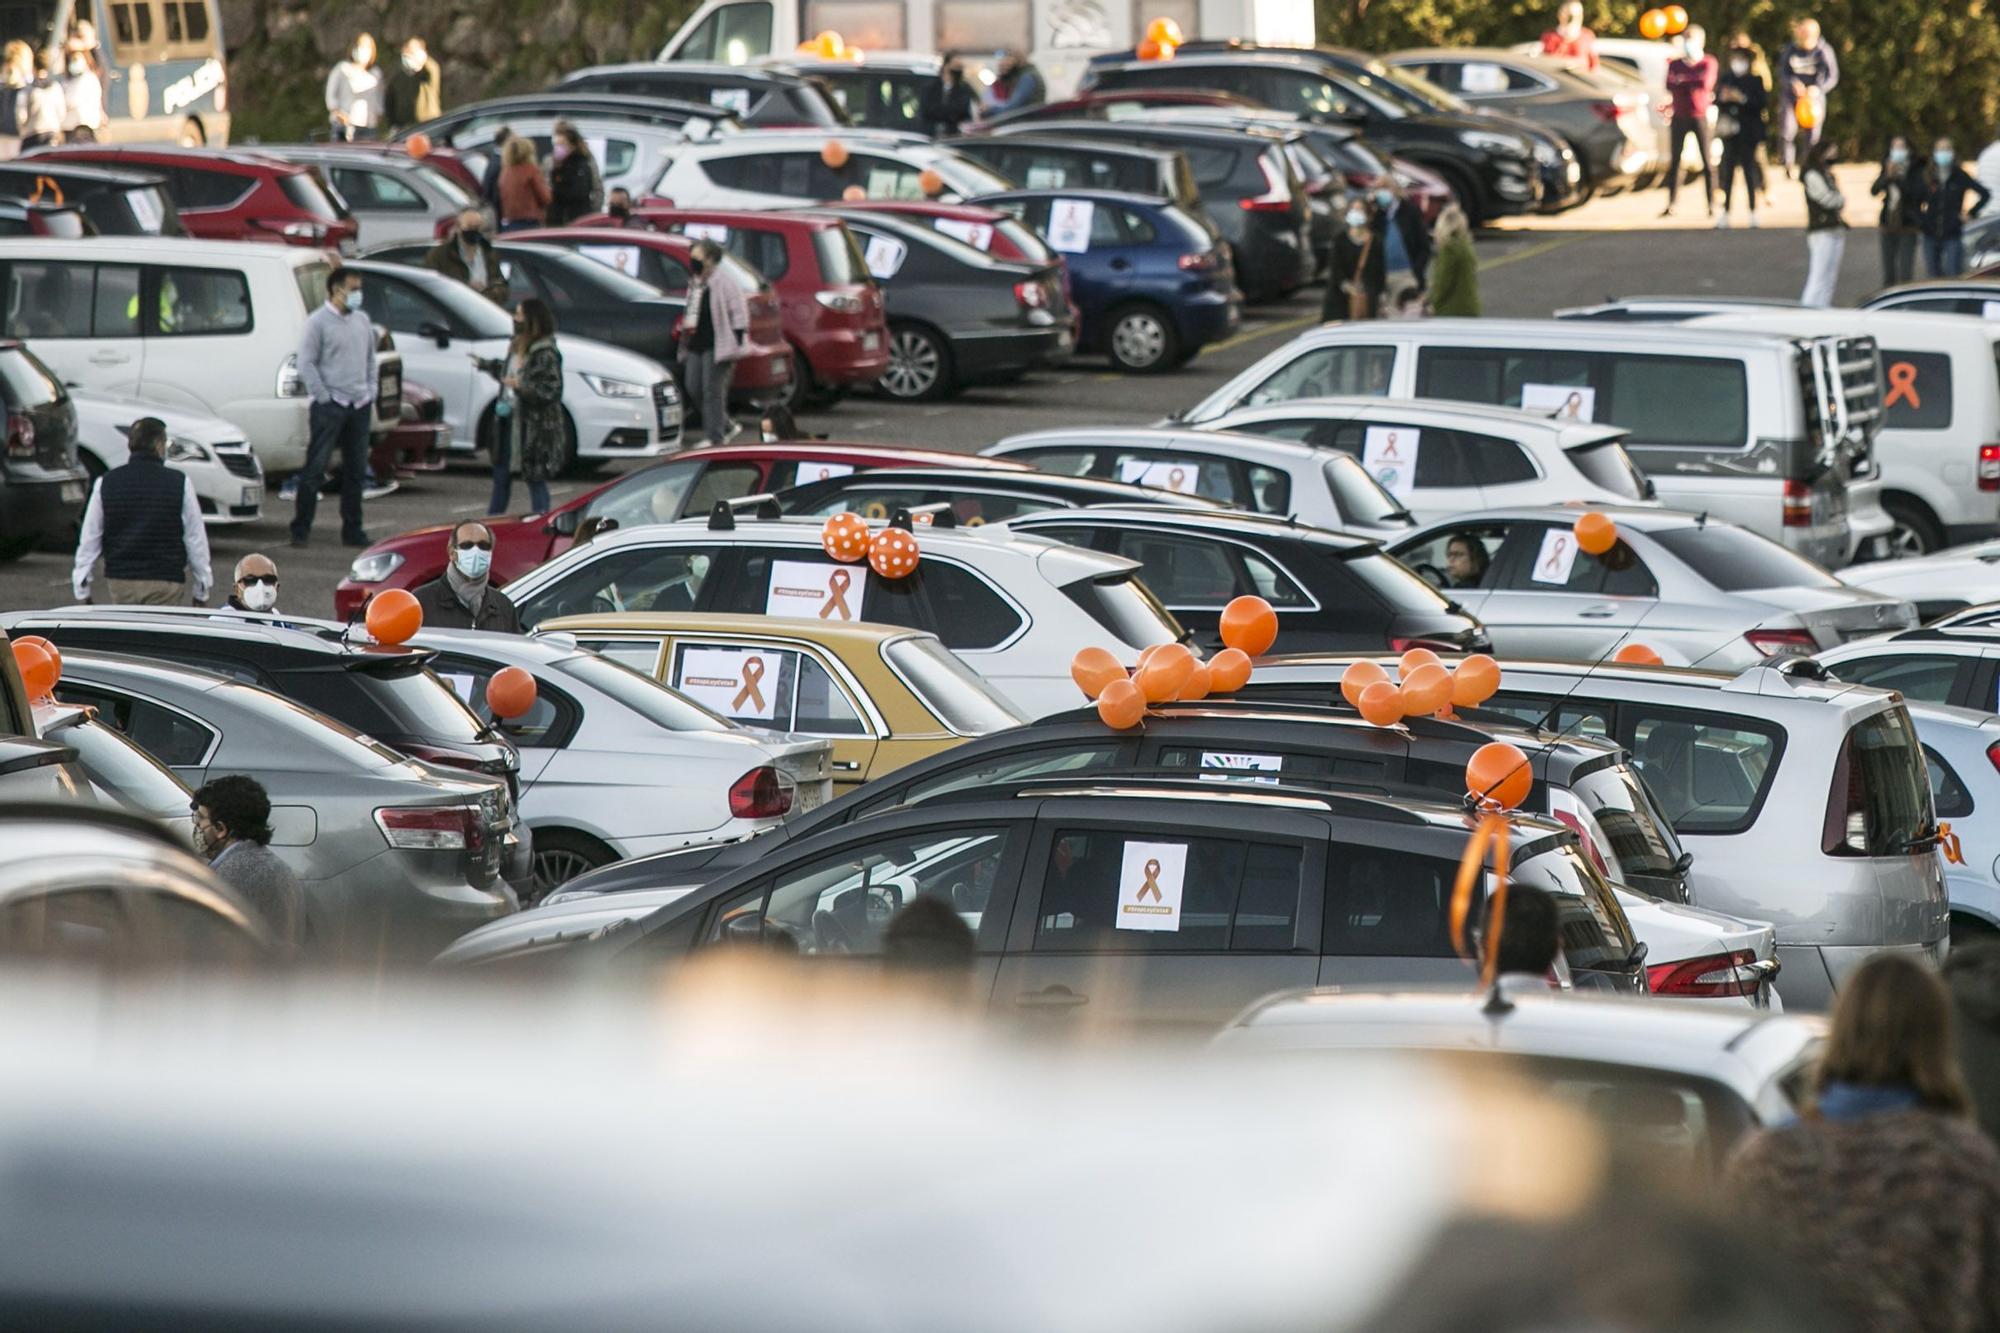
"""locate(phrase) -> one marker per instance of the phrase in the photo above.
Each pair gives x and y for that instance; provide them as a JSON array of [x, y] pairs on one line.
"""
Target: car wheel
[[566, 463], [1142, 339], [919, 365], [1967, 930], [1463, 192], [560, 856], [1916, 531], [800, 389], [192, 134]]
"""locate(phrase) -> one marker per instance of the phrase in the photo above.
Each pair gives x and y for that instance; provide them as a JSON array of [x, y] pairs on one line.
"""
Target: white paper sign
[[1166, 476], [810, 591], [1989, 310], [732, 99], [1566, 402], [1474, 77], [884, 256], [706, 231], [1556, 558], [146, 210], [1150, 884], [600, 149], [1047, 178], [1389, 453], [823, 471], [735, 682], [624, 258], [1069, 225], [978, 235], [1240, 763]]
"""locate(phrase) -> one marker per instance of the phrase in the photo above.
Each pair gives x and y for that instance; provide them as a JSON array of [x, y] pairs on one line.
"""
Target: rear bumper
[[1207, 317], [981, 355], [765, 371], [1812, 973], [848, 356], [1272, 261], [1959, 534], [41, 508]]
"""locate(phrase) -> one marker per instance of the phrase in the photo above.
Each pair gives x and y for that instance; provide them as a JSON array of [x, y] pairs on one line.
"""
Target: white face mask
[[413, 63], [1694, 45], [1739, 67], [260, 596], [473, 562], [1357, 220], [354, 299]]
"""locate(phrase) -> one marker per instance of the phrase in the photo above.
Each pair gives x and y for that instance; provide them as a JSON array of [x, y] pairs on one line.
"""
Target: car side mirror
[[437, 333], [564, 524]]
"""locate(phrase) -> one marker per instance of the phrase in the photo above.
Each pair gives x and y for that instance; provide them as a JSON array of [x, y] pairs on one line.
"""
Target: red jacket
[[1692, 84], [1582, 47]]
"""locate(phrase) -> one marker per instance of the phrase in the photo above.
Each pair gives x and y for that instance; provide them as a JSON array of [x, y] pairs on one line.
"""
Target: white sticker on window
[[1069, 225], [1213, 760], [1047, 178], [624, 258], [146, 210], [823, 471], [978, 235], [1389, 453], [706, 231], [1989, 310], [735, 682], [1556, 558], [1568, 402], [731, 99], [811, 591], [600, 151], [1168, 476], [884, 256], [1149, 886]]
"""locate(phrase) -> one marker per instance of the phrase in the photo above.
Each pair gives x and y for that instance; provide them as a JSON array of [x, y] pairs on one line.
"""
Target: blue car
[[1154, 283]]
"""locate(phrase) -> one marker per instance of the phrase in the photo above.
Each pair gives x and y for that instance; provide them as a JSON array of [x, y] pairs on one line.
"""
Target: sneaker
[[375, 490], [1722, 221], [289, 492], [735, 429], [1753, 220]]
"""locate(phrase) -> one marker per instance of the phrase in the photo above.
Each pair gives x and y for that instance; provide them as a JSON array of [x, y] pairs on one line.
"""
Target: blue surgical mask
[[1357, 219], [1383, 198], [1944, 158], [1899, 155], [472, 561], [354, 299]]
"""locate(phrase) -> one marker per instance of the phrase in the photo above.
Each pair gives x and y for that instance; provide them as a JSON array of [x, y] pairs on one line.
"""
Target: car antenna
[[1701, 519], [1498, 1004]]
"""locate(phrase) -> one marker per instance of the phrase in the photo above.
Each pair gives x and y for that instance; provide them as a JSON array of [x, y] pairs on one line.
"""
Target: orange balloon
[[1595, 533], [930, 183], [854, 194], [1653, 24], [1228, 671], [1426, 690], [1382, 704], [38, 669], [1146, 655], [44, 645], [845, 537], [1413, 659], [418, 146], [1637, 654], [834, 153], [1250, 624], [1093, 669], [1677, 19], [394, 616], [1805, 112], [1199, 682], [829, 45], [1121, 705], [1152, 50], [1358, 678], [1475, 681], [1165, 672], [1498, 774], [893, 554], [1164, 31], [511, 692]]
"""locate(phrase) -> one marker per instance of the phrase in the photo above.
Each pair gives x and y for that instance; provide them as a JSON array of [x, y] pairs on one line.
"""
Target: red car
[[660, 259], [227, 195], [419, 442], [688, 482], [832, 310]]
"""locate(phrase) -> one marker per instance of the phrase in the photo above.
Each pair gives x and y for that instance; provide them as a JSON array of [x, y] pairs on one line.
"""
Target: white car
[[618, 404], [615, 764], [228, 480], [553, 920], [782, 168], [1323, 487], [1015, 608], [1938, 585], [1440, 458], [1695, 956]]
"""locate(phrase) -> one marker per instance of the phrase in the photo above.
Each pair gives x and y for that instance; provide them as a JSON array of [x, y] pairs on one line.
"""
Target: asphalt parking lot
[[1529, 268]]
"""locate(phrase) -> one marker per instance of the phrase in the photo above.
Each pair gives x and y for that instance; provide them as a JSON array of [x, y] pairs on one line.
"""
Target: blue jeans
[[333, 426], [1944, 256], [503, 480]]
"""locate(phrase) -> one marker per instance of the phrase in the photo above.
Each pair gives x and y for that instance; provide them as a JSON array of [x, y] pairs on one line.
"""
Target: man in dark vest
[[144, 520]]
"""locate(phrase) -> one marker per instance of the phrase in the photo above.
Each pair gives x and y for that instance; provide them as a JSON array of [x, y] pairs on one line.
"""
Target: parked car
[[397, 856], [64, 224], [391, 196], [43, 484], [228, 480], [958, 316], [1955, 662], [120, 772], [973, 495], [1121, 104], [115, 201], [1696, 590], [1959, 749], [1325, 488], [421, 440], [1805, 801], [1676, 309], [617, 404], [880, 696], [884, 90], [229, 194], [33, 769], [1943, 584], [1975, 295], [781, 169], [1153, 282], [1014, 607], [1723, 422], [1059, 161], [978, 224], [1484, 456], [687, 483], [832, 310], [1331, 591], [765, 98]]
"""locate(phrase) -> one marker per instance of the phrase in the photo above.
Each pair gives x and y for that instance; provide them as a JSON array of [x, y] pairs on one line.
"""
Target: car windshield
[[1640, 838], [1611, 467], [1359, 497], [1396, 583], [642, 694], [650, 495], [421, 705], [1738, 560], [956, 693], [1128, 608]]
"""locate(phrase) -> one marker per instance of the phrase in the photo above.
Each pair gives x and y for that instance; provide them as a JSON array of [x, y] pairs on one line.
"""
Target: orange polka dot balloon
[[845, 537], [893, 554]]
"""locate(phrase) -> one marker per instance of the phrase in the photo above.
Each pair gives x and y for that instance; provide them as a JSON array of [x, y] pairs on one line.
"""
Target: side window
[[376, 189], [399, 307], [1063, 462], [1706, 773], [76, 925], [951, 601], [1196, 474], [1916, 390], [839, 904], [641, 655], [1191, 573], [884, 178], [1328, 372], [1571, 717], [49, 299], [1270, 489], [823, 708], [192, 301], [667, 578], [115, 305], [1681, 400], [1139, 229], [193, 188], [733, 35], [651, 495], [1495, 462], [1948, 794], [172, 738], [1306, 95], [1925, 678], [542, 725], [1547, 561], [1104, 892], [1387, 904], [720, 481], [1457, 557]]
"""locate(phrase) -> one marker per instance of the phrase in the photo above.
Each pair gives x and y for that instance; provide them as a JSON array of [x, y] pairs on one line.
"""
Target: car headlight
[[610, 388], [187, 451], [1547, 155], [1485, 141], [374, 568]]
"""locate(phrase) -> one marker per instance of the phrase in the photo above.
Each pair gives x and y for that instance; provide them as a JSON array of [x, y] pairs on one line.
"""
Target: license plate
[[870, 341], [252, 495], [810, 796], [1065, 340], [72, 492], [781, 367]]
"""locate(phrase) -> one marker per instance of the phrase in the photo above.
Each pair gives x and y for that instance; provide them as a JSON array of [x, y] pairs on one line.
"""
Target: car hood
[[596, 358], [572, 920], [95, 411]]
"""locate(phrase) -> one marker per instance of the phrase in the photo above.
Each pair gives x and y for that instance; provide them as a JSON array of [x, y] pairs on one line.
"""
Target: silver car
[[397, 856], [120, 772], [392, 196], [1698, 591]]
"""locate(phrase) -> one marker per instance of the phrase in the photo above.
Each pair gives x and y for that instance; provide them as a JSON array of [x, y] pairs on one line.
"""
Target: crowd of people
[[52, 96]]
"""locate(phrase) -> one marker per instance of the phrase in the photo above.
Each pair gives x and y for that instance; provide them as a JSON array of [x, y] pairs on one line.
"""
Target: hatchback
[[116, 201], [42, 478], [779, 168], [766, 98], [972, 495], [230, 194]]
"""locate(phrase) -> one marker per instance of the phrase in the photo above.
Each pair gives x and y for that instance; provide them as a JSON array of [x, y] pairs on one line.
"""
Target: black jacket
[[1943, 201], [1348, 260], [573, 189], [443, 610], [143, 538], [1902, 198], [444, 258], [1409, 223], [1746, 100], [947, 108]]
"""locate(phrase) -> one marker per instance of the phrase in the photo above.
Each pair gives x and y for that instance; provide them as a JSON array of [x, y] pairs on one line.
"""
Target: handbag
[[1727, 126], [1357, 296]]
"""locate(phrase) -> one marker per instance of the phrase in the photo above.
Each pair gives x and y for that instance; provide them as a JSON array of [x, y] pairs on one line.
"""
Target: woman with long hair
[[529, 431], [574, 186], [523, 189], [1359, 276], [1885, 1187], [1826, 229]]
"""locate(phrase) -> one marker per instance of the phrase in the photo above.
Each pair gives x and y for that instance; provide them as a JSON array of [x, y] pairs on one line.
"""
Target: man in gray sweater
[[232, 827], [336, 361]]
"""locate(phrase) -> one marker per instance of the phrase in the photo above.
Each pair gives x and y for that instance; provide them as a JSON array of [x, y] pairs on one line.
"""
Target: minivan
[[1775, 434]]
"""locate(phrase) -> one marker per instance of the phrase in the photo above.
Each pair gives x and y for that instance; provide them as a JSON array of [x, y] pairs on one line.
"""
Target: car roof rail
[[722, 518], [1365, 800]]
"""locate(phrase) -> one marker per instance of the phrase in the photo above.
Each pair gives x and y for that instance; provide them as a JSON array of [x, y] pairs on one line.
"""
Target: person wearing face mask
[[256, 589], [1900, 222], [83, 91], [1808, 71], [530, 435], [1826, 228], [522, 189], [465, 597], [1569, 39], [574, 186], [354, 92], [232, 828], [336, 360], [1740, 100], [415, 90], [1691, 84], [618, 207], [1359, 275], [467, 256], [1944, 186], [713, 339], [1406, 241]]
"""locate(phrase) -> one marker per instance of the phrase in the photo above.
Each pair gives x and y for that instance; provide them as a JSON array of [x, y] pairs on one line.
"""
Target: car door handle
[[847, 765], [1598, 612], [1052, 997], [108, 356]]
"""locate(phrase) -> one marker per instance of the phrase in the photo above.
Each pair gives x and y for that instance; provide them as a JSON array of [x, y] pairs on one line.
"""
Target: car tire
[[800, 389], [561, 855], [1141, 339], [1966, 929], [1917, 530], [919, 365]]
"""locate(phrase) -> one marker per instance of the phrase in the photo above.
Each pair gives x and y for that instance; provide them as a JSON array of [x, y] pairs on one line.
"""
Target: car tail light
[[1722, 974], [20, 435], [1605, 111], [762, 793], [1993, 755], [1989, 467], [1202, 261], [290, 385], [1772, 642], [313, 232], [432, 828], [1397, 645], [1277, 198], [1031, 295], [1798, 504], [846, 303]]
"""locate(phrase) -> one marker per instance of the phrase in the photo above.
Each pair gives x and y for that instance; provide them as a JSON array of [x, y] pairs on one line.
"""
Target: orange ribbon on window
[[1490, 832], [1152, 884], [1903, 385], [837, 585], [753, 672], [1948, 844], [1176, 479], [44, 186]]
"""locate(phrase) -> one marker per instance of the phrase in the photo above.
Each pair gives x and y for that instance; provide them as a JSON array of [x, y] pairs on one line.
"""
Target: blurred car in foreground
[[120, 771]]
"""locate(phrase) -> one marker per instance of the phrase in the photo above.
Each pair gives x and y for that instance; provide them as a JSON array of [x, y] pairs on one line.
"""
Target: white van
[[209, 326], [1774, 434], [1939, 445]]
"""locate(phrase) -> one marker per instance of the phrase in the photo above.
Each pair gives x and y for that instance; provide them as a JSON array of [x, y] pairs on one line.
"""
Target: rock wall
[[280, 50]]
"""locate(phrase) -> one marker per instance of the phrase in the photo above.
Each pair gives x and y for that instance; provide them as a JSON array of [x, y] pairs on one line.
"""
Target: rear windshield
[[127, 773], [1594, 931], [1640, 840], [1025, 239], [1881, 801], [840, 261], [1127, 607], [419, 704], [1611, 467], [1399, 586], [953, 690], [1359, 496], [304, 190], [642, 694], [1738, 560], [27, 383], [966, 177]]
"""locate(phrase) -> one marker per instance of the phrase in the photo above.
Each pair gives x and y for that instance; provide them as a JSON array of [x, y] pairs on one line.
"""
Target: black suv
[[766, 99], [117, 201], [43, 486], [972, 495]]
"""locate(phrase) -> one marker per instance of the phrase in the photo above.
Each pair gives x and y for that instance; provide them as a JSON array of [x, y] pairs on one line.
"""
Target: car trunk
[[1838, 615]]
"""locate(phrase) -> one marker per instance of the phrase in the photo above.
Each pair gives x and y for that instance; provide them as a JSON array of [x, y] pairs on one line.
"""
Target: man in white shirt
[[144, 521]]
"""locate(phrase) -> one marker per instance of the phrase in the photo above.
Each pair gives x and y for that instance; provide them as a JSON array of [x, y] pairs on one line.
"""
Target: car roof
[[146, 669], [1512, 331], [754, 141], [926, 208], [303, 636], [843, 636], [558, 97], [800, 530], [1030, 478], [1222, 521], [1161, 129], [1069, 143], [1644, 519], [127, 176], [1974, 286], [920, 62], [180, 248], [1130, 197], [684, 71], [739, 217], [1569, 434], [233, 160], [1813, 320], [1167, 436]]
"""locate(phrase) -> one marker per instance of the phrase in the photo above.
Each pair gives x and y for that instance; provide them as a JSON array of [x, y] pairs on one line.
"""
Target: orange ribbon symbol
[[1491, 832], [1553, 564], [836, 595], [46, 185], [1176, 479], [1903, 385], [1152, 884], [1948, 844], [753, 671]]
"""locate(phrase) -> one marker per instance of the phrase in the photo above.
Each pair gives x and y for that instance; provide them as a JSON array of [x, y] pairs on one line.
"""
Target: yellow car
[[884, 695]]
